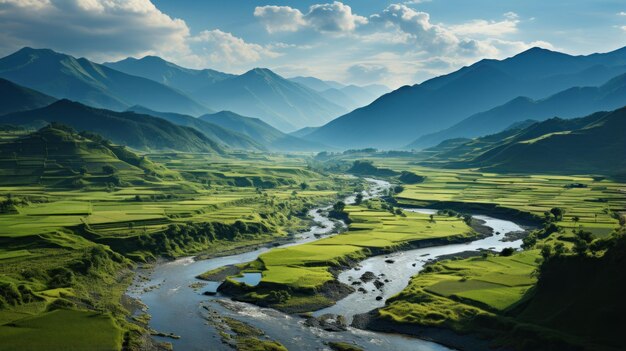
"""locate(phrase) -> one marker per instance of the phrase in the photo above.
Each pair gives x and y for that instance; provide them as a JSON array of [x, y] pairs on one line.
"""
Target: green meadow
[[304, 270]]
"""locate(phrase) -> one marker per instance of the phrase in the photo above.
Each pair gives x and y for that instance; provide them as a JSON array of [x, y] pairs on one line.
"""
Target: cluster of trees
[[8, 205], [12, 294], [452, 213], [178, 238], [277, 296]]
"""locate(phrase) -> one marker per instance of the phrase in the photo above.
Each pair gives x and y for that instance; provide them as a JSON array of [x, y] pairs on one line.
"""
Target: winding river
[[177, 308]]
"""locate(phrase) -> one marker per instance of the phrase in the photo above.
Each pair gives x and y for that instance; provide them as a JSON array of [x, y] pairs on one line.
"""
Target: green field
[[62, 330], [70, 245], [303, 270]]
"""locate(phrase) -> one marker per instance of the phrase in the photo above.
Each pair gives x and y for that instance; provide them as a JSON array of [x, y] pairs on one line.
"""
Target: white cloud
[[623, 28], [280, 18], [112, 29], [90, 27], [622, 13], [335, 17], [486, 28], [218, 46], [426, 35], [511, 15], [367, 73]]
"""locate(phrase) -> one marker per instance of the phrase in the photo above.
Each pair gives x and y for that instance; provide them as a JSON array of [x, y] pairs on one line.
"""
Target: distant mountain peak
[[263, 72]]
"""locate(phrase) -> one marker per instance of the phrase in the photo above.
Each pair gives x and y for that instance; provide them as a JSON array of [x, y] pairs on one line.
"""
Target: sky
[[354, 42]]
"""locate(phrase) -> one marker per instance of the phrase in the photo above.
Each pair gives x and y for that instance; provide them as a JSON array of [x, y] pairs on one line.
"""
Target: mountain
[[396, 119], [125, 128], [301, 133], [58, 156], [262, 93], [167, 73], [63, 76], [592, 144], [348, 96], [14, 98], [261, 132], [569, 103], [316, 83], [212, 131]]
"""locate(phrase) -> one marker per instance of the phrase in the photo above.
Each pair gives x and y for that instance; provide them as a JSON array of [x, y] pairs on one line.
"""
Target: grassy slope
[[70, 330]]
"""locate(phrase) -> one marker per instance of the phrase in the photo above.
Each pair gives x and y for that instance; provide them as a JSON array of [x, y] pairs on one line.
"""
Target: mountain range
[[400, 117], [78, 79], [261, 132], [125, 128], [282, 103], [591, 144], [569, 103], [227, 137], [349, 96], [16, 98]]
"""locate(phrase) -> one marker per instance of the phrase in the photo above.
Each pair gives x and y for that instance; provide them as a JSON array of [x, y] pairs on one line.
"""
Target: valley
[[327, 177]]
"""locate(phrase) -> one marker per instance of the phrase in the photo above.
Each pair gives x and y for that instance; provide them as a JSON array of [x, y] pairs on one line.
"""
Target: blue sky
[[362, 41]]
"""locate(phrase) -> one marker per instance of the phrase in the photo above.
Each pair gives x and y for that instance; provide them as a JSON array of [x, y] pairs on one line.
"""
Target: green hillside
[[57, 156], [124, 128], [578, 146], [212, 131], [14, 98], [261, 132], [79, 79]]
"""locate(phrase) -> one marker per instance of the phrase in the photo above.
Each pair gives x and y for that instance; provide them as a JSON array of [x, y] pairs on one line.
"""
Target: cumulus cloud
[[218, 46], [280, 18], [417, 24], [90, 27], [113, 29], [335, 17], [622, 13]]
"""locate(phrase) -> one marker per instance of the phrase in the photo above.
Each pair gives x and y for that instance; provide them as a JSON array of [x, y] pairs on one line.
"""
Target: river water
[[177, 308]]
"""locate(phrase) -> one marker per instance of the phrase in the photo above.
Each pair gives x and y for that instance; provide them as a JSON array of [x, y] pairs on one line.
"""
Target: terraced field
[[61, 244], [305, 269]]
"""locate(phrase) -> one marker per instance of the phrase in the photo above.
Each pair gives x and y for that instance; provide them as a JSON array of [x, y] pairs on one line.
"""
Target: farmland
[[68, 246], [306, 270]]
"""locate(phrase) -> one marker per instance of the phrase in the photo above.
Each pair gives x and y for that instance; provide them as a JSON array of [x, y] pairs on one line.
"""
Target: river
[[177, 308]]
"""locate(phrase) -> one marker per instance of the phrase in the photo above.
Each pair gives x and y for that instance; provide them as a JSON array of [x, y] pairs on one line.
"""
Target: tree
[[508, 251], [339, 206], [83, 170], [304, 186], [546, 251], [581, 247], [558, 213], [432, 218], [358, 199], [530, 241], [560, 249], [108, 169]]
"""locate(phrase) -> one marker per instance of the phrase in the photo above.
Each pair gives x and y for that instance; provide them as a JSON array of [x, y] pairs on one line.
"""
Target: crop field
[[305, 268], [55, 225], [70, 330], [588, 201]]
